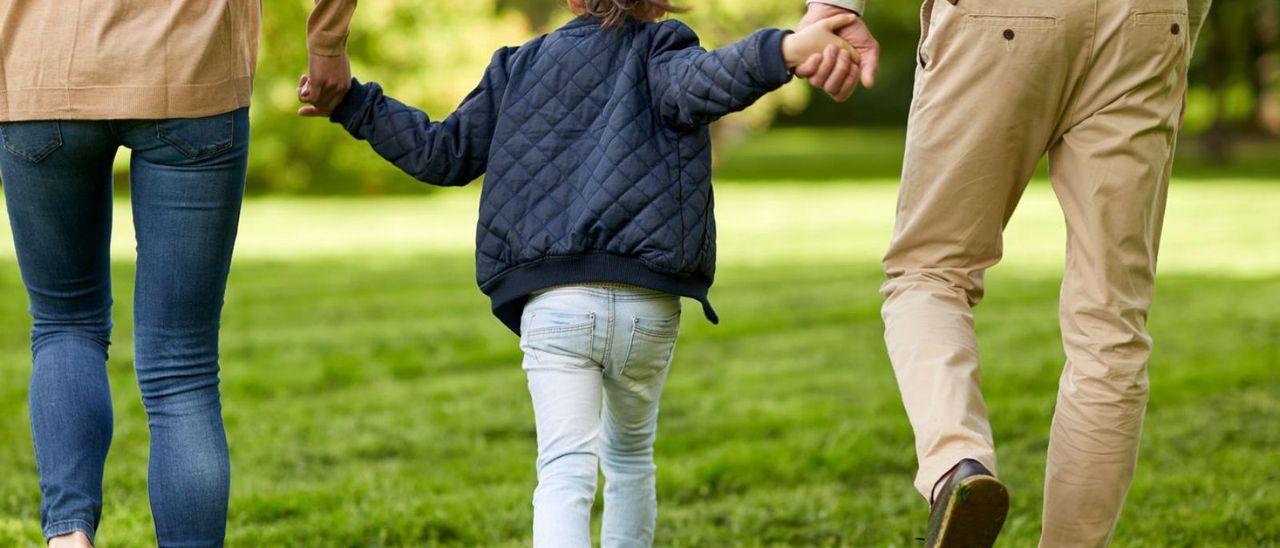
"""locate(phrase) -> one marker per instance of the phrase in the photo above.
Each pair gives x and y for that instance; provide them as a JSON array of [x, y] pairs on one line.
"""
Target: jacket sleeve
[[451, 152], [856, 6], [691, 86], [328, 27]]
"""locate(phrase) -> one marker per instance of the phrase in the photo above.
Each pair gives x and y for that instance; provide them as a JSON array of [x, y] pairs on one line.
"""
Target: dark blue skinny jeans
[[187, 181]]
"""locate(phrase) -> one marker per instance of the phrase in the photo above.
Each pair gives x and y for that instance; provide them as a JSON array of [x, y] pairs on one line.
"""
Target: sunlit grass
[[376, 402], [371, 400], [1220, 229]]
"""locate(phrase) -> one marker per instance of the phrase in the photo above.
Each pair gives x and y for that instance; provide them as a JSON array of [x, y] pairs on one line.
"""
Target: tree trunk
[[1217, 139], [1266, 69]]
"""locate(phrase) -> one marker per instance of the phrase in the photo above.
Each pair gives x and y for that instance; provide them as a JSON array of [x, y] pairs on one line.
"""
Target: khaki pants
[[1098, 85]]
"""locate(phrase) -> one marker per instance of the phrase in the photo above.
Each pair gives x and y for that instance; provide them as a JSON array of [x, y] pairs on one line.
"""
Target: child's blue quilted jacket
[[595, 151]]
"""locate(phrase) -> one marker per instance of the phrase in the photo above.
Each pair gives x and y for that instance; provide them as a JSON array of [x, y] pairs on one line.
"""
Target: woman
[[171, 81]]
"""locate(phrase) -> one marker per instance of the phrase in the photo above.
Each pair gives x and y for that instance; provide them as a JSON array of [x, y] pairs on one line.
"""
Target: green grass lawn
[[837, 154], [372, 401]]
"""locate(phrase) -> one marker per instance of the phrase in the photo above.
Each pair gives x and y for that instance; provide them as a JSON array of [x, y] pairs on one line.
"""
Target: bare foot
[[70, 540]]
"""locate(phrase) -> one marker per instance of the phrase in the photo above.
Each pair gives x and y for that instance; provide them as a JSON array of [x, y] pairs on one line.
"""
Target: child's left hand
[[819, 53], [803, 46]]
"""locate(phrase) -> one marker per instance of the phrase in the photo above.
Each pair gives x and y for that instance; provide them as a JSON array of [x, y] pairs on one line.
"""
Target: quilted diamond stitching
[[590, 142]]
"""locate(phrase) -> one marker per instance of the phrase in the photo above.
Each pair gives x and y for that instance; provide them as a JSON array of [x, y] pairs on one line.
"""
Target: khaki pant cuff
[[933, 468]]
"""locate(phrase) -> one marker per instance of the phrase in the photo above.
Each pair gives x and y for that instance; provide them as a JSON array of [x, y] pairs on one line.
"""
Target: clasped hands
[[834, 50]]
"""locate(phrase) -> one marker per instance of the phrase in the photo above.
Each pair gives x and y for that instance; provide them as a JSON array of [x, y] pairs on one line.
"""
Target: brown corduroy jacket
[[140, 59]]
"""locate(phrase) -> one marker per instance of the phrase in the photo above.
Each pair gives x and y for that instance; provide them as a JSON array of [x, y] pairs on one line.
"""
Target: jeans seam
[[607, 355], [656, 334], [560, 330], [59, 528], [631, 341]]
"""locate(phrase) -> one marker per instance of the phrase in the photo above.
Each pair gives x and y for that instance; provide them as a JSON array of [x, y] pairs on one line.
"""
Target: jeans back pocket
[[653, 342], [558, 335], [33, 141], [199, 138]]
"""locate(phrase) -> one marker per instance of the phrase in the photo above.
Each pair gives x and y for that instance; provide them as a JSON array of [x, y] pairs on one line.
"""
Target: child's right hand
[[305, 92], [320, 100], [811, 42]]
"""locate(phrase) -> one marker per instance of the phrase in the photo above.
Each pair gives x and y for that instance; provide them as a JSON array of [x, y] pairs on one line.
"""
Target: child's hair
[[616, 12]]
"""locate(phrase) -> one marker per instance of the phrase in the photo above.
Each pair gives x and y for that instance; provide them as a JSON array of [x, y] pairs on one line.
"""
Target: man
[[1099, 87]]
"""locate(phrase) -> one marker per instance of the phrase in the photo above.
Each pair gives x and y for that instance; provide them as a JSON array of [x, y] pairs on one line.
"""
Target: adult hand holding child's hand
[[327, 81], [818, 46], [821, 71]]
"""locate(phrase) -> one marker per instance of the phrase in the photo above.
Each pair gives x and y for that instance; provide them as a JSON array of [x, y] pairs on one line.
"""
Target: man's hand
[[820, 71], [813, 40], [325, 86]]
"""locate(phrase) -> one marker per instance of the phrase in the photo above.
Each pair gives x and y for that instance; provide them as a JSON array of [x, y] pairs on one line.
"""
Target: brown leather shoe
[[970, 509]]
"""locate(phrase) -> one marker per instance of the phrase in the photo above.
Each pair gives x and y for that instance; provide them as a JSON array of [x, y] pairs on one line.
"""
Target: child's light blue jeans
[[597, 357]]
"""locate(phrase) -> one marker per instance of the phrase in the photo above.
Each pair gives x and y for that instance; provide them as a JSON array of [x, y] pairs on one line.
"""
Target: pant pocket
[[1015, 47], [937, 19], [651, 347], [1158, 34], [558, 336], [199, 138], [926, 22], [32, 141]]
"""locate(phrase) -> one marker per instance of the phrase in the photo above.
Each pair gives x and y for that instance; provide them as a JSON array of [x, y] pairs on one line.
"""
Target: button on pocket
[[1024, 39], [1157, 42], [33, 141], [199, 138]]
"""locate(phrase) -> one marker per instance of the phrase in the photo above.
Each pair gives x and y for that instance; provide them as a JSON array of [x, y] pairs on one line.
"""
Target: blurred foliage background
[[372, 400], [431, 53]]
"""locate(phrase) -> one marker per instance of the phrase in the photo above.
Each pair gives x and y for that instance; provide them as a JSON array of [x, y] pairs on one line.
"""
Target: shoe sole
[[975, 514]]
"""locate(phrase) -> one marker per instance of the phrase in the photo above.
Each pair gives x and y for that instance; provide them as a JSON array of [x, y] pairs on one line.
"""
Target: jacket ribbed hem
[[511, 289], [125, 102]]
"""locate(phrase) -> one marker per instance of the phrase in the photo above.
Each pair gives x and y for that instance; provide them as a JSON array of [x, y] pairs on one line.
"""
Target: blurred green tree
[[431, 53], [1236, 77]]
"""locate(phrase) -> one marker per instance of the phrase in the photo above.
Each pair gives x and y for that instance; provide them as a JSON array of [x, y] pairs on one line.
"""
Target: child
[[595, 218]]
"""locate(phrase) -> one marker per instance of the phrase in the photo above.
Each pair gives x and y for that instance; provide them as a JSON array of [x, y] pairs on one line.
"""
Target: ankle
[[972, 466], [74, 539], [942, 481]]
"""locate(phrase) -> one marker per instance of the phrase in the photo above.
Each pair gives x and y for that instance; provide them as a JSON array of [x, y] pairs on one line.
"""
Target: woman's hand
[[325, 86]]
